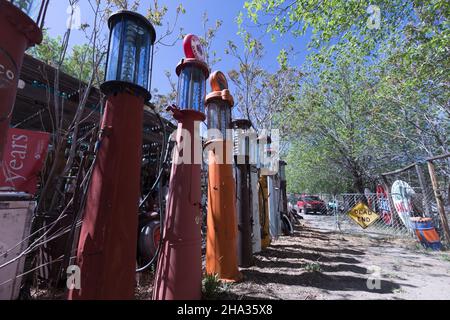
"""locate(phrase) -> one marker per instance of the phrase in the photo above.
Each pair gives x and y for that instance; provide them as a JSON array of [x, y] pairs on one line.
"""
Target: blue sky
[[168, 57]]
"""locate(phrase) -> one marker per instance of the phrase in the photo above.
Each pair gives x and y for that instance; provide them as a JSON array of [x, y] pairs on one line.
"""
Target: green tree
[[374, 98], [76, 63]]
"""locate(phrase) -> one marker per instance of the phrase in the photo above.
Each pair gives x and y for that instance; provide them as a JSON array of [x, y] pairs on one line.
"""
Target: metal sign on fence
[[402, 196], [363, 215]]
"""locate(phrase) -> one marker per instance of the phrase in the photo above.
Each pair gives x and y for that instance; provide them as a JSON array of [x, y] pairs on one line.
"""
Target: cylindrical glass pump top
[[130, 49], [219, 119], [35, 9], [244, 137], [192, 76], [30, 7], [267, 158]]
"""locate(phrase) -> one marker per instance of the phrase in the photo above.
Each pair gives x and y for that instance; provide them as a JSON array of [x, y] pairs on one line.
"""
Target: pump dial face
[[193, 47]]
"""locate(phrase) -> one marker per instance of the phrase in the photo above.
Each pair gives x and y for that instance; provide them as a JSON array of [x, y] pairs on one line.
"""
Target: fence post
[[439, 201], [426, 200], [336, 212]]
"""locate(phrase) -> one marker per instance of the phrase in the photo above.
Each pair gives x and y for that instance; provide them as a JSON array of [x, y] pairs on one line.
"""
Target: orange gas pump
[[221, 245]]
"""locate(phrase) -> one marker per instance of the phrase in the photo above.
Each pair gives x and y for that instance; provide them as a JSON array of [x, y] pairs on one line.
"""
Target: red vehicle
[[311, 204]]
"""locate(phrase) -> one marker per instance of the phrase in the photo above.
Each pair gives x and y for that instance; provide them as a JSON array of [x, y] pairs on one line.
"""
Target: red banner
[[24, 155]]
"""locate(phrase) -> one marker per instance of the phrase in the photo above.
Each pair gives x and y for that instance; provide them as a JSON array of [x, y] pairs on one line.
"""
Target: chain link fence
[[385, 219], [402, 197], [399, 204]]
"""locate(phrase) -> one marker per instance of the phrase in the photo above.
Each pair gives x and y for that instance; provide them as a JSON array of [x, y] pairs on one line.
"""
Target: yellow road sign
[[363, 215]]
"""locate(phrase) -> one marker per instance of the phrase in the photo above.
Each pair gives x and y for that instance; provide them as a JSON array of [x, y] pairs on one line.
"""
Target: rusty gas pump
[[242, 135], [21, 24], [254, 193], [264, 153], [106, 252], [273, 186], [179, 269]]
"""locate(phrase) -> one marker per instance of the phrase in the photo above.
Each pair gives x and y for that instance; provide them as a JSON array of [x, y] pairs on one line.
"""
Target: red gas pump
[[107, 247], [18, 32], [179, 270]]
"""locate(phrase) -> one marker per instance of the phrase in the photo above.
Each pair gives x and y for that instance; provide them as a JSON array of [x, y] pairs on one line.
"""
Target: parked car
[[311, 205]]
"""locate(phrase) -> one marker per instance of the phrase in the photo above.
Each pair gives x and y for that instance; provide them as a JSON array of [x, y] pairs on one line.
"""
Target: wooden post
[[439, 201], [425, 196], [391, 202]]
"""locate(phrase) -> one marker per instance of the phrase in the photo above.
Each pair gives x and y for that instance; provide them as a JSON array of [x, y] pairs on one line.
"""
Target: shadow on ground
[[287, 267], [322, 281]]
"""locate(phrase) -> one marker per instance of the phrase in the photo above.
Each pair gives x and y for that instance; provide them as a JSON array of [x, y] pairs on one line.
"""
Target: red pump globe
[[193, 48]]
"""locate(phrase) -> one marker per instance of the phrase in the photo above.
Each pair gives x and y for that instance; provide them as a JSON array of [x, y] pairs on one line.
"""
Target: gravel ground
[[320, 263]]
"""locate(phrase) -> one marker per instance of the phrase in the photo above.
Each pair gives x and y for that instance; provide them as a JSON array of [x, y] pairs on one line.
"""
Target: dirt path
[[319, 263]]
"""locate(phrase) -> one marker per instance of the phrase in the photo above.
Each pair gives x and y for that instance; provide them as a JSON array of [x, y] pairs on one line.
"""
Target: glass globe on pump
[[110, 221], [130, 54]]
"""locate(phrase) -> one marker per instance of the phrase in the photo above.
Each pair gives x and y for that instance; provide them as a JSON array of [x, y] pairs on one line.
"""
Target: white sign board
[[402, 194]]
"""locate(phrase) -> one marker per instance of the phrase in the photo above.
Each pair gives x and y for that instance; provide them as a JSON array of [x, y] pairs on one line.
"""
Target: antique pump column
[[221, 245], [108, 238], [264, 154], [179, 270], [254, 193], [242, 136], [273, 186], [21, 24], [283, 188]]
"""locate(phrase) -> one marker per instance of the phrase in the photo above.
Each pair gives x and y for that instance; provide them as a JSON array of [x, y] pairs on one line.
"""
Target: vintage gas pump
[[242, 136], [179, 270], [266, 170], [273, 186], [221, 245], [21, 24], [107, 246], [254, 193], [285, 216], [283, 188]]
